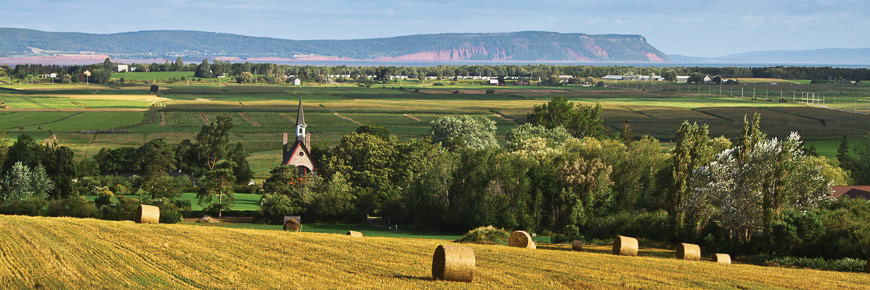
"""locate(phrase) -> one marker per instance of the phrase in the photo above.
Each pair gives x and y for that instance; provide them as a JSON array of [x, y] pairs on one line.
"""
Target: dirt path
[[412, 117], [162, 119], [288, 117], [346, 118], [204, 118], [249, 118], [506, 118]]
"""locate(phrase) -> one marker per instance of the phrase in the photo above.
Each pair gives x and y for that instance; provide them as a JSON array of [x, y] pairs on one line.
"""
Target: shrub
[[273, 207], [487, 235], [490, 91], [641, 224], [31, 206], [169, 213], [842, 265], [73, 206], [569, 233]]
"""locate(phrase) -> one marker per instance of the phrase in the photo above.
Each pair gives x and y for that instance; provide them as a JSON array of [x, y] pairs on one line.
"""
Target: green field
[[59, 253], [262, 112]]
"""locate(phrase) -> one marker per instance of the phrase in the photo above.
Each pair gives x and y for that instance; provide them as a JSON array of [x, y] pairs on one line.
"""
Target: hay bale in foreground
[[521, 239], [722, 258], [453, 263], [689, 252], [354, 234], [577, 245], [625, 246], [292, 225], [148, 214]]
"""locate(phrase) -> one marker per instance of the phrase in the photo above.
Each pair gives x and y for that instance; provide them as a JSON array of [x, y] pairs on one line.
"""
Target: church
[[299, 153]]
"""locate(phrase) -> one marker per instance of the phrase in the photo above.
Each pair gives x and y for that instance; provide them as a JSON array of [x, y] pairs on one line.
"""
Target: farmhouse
[[298, 154], [297, 82], [851, 191], [682, 79], [123, 68], [613, 77]]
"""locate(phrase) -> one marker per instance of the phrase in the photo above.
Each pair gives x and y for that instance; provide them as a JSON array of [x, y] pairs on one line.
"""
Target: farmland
[[85, 253], [79, 116]]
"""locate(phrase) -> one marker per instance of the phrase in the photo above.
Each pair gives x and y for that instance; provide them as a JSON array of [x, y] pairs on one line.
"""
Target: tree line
[[309, 73]]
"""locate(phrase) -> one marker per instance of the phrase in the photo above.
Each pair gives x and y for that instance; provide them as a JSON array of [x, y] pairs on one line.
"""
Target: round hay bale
[[453, 263], [148, 214], [577, 245], [722, 258], [521, 239], [292, 225], [625, 246], [689, 252], [354, 234]]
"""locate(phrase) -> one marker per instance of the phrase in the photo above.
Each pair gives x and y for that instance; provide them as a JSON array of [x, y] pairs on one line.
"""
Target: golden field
[[54, 253]]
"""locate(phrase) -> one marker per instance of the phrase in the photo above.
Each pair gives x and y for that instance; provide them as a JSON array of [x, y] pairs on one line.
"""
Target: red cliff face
[[465, 52]]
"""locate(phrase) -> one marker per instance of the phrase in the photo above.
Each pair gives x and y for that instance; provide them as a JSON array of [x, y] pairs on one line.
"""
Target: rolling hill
[[39, 252], [513, 46]]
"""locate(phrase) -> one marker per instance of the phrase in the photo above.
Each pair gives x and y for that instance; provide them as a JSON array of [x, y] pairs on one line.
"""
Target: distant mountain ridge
[[811, 56], [510, 46]]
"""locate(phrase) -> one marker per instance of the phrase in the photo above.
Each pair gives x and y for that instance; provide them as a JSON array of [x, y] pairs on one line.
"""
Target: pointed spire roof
[[300, 117]]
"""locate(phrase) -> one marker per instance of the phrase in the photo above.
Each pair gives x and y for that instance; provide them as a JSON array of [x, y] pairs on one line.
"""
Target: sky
[[694, 28]]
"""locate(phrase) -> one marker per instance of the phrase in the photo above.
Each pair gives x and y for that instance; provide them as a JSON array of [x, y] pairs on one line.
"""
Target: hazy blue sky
[[697, 28]]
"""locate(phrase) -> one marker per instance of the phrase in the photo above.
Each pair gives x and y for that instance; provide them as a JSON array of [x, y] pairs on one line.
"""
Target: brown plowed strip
[[412, 117], [346, 118], [288, 117], [204, 118], [162, 119], [248, 118]]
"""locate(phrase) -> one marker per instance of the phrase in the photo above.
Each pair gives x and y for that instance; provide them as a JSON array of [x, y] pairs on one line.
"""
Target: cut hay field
[[39, 252]]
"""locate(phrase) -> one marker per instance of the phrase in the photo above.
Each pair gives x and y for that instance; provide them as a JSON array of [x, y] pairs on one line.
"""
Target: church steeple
[[300, 123], [297, 154]]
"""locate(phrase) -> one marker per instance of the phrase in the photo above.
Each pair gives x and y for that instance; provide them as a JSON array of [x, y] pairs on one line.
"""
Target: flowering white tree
[[21, 183], [744, 194]]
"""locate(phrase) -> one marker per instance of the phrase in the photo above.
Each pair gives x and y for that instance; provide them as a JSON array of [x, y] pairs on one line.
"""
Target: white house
[[493, 82], [123, 68], [708, 79], [682, 79], [613, 77], [297, 82]]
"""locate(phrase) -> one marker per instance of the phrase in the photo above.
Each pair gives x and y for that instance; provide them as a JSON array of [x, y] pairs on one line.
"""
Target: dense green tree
[[456, 132], [213, 139], [579, 120], [377, 130], [155, 159], [203, 70], [366, 160], [178, 65], [516, 137], [218, 182], [242, 171], [693, 149]]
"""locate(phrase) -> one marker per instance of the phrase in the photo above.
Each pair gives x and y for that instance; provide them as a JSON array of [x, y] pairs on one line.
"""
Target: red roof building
[[858, 191]]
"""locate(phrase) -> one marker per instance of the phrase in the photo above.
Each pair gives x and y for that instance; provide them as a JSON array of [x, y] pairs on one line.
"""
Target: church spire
[[300, 117]]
